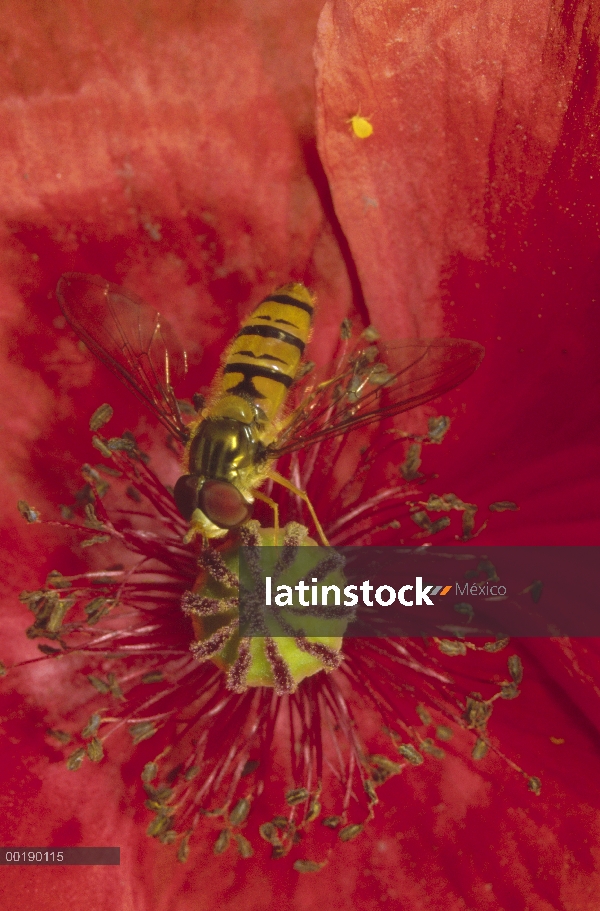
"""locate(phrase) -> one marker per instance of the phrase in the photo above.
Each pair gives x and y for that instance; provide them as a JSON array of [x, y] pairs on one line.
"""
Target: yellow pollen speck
[[557, 740], [361, 127]]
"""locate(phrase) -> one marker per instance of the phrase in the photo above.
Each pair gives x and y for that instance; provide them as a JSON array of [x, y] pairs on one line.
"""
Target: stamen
[[280, 756]]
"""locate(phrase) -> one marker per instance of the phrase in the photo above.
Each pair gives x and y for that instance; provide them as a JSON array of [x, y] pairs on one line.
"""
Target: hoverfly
[[231, 447]]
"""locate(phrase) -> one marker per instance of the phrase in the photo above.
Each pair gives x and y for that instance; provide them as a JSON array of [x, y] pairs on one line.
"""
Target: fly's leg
[[265, 499], [279, 479], [192, 533]]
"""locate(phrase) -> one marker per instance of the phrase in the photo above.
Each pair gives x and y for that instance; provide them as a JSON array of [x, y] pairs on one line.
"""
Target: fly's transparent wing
[[134, 341], [378, 381]]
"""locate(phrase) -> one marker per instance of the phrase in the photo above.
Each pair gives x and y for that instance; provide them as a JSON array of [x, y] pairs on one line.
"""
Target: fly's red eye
[[223, 504], [185, 493]]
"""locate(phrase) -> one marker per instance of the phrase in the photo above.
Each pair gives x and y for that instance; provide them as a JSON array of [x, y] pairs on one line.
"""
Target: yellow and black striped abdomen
[[265, 354]]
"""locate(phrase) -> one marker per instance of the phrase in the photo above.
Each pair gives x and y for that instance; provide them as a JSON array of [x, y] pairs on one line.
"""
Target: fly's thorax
[[224, 448]]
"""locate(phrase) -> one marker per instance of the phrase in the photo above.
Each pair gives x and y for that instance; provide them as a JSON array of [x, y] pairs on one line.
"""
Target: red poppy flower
[[173, 150]]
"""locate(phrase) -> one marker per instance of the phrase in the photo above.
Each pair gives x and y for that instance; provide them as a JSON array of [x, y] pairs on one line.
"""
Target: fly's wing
[[134, 341], [377, 382]]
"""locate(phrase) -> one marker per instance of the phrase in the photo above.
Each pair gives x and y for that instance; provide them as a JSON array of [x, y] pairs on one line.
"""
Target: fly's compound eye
[[223, 504], [185, 493]]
